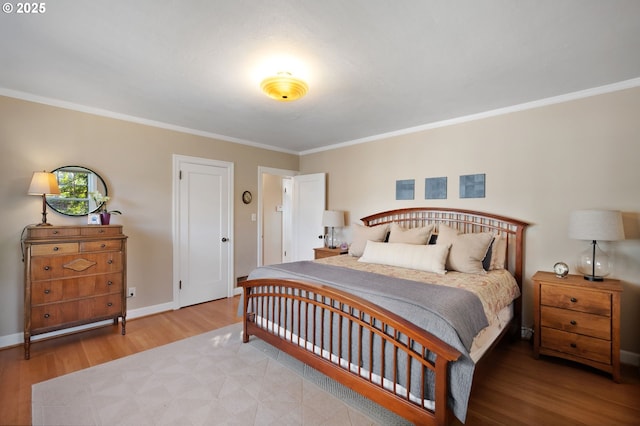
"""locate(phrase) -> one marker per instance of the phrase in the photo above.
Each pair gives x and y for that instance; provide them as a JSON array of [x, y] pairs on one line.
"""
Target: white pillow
[[398, 234], [362, 234], [467, 250], [498, 252], [430, 258]]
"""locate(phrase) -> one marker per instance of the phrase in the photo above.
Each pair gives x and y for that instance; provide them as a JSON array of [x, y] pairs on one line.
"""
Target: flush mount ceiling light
[[284, 87]]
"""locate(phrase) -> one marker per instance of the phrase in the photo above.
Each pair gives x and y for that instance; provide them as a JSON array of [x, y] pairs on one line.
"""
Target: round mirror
[[76, 183]]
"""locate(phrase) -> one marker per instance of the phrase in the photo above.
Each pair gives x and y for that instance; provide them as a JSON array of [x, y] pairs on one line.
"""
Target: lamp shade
[[602, 225], [333, 218], [43, 183]]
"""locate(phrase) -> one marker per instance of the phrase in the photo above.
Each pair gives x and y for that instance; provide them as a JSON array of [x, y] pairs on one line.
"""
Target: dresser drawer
[[106, 245], [576, 344], [594, 302], [576, 322], [53, 267], [43, 292], [75, 312], [96, 231], [57, 232], [49, 249]]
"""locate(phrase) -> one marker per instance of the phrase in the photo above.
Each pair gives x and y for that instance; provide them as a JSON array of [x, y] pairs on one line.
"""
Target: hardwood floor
[[516, 389]]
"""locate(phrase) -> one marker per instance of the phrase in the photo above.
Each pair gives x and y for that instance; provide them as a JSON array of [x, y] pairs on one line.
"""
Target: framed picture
[[435, 188], [93, 219], [472, 186], [405, 189]]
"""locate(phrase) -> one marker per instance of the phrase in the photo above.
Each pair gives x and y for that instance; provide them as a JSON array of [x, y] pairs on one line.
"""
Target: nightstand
[[321, 252], [578, 320]]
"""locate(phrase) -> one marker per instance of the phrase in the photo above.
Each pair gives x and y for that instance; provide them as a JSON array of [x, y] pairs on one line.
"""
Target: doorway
[[290, 210]]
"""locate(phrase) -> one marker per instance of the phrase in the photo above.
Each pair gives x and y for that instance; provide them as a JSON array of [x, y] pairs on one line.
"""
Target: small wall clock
[[246, 197]]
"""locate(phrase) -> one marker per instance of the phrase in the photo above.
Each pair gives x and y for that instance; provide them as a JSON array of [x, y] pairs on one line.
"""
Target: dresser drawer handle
[[110, 304], [110, 261], [109, 282], [47, 315], [55, 232], [101, 231], [573, 322], [46, 268], [56, 248], [103, 245], [47, 291], [574, 300], [573, 345]]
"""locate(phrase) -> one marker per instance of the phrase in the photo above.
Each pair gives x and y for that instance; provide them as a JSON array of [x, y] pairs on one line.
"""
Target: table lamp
[[594, 225], [44, 183], [332, 219]]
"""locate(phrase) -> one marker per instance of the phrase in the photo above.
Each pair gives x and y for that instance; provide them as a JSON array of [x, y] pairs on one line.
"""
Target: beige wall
[[136, 162], [540, 164]]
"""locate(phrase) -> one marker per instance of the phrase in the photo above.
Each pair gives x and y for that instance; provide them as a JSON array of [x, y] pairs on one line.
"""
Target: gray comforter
[[453, 315]]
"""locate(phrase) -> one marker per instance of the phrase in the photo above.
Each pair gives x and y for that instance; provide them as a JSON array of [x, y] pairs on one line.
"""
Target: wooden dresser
[[73, 275], [578, 320]]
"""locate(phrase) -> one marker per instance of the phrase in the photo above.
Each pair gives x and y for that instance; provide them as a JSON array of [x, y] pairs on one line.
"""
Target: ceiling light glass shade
[[284, 87], [595, 225]]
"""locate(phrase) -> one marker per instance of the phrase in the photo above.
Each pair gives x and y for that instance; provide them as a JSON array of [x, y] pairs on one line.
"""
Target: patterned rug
[[209, 379]]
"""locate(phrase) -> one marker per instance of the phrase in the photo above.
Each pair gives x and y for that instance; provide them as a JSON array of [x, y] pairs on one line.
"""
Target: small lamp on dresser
[[43, 184], [332, 219], [594, 225]]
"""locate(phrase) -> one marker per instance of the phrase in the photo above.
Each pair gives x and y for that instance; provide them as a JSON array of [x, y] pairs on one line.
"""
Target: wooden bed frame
[[277, 297]]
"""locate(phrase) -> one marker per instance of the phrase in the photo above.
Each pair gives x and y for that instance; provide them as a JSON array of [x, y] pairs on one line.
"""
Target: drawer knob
[[109, 304], [573, 322], [47, 291], [573, 345], [103, 245], [110, 261], [574, 300], [47, 315], [46, 268], [56, 248], [101, 231], [55, 232], [109, 282]]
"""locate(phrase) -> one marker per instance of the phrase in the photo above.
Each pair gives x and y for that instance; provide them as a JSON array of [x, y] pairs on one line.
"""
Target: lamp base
[[593, 278], [44, 224]]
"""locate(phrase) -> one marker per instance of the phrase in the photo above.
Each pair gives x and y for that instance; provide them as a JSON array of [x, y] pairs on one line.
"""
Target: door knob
[[225, 239]]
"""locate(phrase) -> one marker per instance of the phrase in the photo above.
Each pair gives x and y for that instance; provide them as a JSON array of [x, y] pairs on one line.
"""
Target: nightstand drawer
[[594, 302], [575, 344], [576, 322]]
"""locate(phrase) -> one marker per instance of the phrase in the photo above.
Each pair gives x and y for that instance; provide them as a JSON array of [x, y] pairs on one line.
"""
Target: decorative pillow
[[398, 234], [430, 258], [467, 250], [498, 252], [362, 234]]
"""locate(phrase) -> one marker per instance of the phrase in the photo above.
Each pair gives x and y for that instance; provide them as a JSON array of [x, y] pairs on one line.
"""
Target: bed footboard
[[359, 344]]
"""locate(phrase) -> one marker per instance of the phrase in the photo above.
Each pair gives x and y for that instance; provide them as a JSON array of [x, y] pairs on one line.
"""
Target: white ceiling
[[373, 66]]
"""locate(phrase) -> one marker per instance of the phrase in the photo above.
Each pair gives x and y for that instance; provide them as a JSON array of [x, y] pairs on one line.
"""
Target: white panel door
[[308, 204], [203, 232]]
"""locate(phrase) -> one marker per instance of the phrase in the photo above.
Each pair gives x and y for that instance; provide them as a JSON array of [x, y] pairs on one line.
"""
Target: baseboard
[[18, 338]]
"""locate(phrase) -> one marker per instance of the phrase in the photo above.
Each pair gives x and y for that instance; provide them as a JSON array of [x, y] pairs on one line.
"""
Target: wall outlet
[[131, 292]]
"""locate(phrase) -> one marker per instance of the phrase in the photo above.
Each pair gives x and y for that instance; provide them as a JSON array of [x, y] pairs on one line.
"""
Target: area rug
[[209, 379]]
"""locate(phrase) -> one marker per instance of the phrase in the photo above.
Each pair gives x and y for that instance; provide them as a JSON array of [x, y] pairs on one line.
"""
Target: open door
[[307, 204]]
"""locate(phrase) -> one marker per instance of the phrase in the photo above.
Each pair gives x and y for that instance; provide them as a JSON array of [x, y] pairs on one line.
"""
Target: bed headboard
[[466, 221]]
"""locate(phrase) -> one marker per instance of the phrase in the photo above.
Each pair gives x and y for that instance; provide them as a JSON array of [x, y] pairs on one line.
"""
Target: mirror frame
[[92, 184]]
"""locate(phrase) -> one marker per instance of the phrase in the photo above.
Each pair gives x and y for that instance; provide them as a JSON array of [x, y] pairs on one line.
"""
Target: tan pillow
[[498, 252], [362, 234], [467, 250], [430, 258], [398, 234]]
